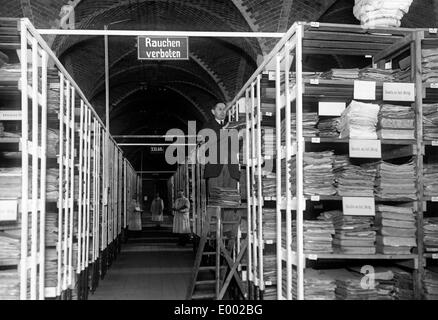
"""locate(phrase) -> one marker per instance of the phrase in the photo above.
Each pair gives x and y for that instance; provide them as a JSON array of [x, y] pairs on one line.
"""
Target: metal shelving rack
[[308, 39], [82, 207]]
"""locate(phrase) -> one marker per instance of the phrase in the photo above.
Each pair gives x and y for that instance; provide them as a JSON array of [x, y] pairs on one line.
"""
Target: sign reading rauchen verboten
[[163, 48]]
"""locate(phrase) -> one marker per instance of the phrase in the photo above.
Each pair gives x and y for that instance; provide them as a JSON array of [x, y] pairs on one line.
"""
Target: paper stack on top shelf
[[396, 229], [430, 121], [353, 234], [430, 284], [396, 181], [396, 122], [430, 227], [359, 121], [377, 74], [318, 284], [341, 74], [429, 65], [430, 179], [328, 127], [318, 173], [352, 180]]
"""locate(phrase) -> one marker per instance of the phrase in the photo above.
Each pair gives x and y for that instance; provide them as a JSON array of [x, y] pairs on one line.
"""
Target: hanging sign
[[358, 206], [8, 210], [163, 48], [364, 90], [365, 149], [398, 91]]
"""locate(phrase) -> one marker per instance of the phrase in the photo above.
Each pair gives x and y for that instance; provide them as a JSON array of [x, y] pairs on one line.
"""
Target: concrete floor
[[150, 267]]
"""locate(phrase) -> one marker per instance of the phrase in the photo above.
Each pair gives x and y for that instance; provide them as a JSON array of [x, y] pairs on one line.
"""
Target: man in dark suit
[[221, 174]]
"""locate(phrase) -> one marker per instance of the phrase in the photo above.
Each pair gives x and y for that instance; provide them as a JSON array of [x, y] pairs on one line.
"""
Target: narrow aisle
[[150, 267]]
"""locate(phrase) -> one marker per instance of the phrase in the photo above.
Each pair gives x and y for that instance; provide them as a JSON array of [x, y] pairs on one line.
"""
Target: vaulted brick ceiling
[[148, 97]]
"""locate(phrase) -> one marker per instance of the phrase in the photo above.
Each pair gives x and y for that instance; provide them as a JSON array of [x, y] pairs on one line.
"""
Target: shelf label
[[268, 114], [433, 30], [163, 48], [365, 149], [316, 140], [10, 115], [8, 210], [364, 90], [271, 75], [358, 206], [331, 109], [435, 143], [314, 81], [434, 199], [315, 198], [398, 91], [435, 256], [313, 257], [434, 85], [314, 24]]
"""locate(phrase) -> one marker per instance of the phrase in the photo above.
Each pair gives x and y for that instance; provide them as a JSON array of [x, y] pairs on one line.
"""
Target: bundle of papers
[[9, 248], [318, 236], [350, 286], [352, 180], [51, 267], [353, 234], [226, 197], [430, 179], [53, 97], [268, 141], [430, 227], [430, 284], [341, 74], [52, 184], [318, 173], [10, 182], [270, 269], [52, 143], [269, 224], [376, 74], [430, 121], [396, 229], [384, 281], [377, 13], [51, 229], [396, 181], [396, 122], [9, 284], [318, 284], [310, 119], [10, 72], [359, 121], [269, 186], [430, 65], [404, 283], [328, 127]]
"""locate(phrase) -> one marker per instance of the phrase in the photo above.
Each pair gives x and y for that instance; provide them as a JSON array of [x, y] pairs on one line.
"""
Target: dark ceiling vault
[[151, 97]]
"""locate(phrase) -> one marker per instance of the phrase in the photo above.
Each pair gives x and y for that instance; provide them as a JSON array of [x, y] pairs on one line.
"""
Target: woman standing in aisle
[[157, 208], [181, 220]]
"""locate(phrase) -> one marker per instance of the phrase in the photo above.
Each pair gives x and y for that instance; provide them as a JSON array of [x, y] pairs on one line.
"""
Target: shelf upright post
[[87, 225], [24, 163], [193, 195], [95, 199], [299, 160], [287, 50], [72, 180], [259, 186], [61, 164], [81, 184], [35, 169], [249, 194], [278, 174], [44, 61], [417, 72], [253, 194]]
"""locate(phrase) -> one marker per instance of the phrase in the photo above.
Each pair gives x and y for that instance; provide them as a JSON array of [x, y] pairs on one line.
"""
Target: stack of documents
[[52, 184], [11, 72], [384, 281], [376, 74], [430, 283], [341, 74], [396, 122], [352, 180], [51, 267], [396, 181], [318, 284], [53, 97], [52, 143], [353, 234], [51, 229], [404, 283], [10, 182], [9, 284], [430, 121], [269, 224], [270, 269], [224, 197], [268, 141], [396, 229], [430, 65], [310, 119], [430, 179], [350, 286], [328, 127], [318, 236], [359, 121], [10, 246], [431, 234]]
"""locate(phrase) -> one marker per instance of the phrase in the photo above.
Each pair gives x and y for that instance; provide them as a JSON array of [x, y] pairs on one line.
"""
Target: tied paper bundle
[[269, 224], [430, 121], [359, 121], [352, 286], [430, 228], [429, 65], [328, 127], [353, 234], [352, 180], [381, 13], [9, 284], [396, 181], [318, 236], [224, 197], [318, 173], [270, 269], [310, 119], [318, 284], [396, 229], [376, 74], [430, 179], [430, 284], [268, 141], [341, 74], [396, 122]]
